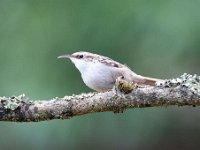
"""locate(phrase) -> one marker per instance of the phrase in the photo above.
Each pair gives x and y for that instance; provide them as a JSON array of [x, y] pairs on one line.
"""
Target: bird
[[100, 72]]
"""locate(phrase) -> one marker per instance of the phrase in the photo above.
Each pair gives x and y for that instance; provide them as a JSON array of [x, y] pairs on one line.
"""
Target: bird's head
[[80, 59]]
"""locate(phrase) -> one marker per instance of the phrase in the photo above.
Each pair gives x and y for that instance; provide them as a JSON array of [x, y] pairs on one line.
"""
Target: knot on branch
[[123, 86]]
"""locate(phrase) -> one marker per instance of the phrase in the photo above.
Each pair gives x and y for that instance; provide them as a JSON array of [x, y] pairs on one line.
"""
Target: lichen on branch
[[181, 91]]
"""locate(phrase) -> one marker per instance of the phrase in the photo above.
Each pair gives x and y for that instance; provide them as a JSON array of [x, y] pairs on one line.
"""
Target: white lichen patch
[[13, 102], [189, 81], [11, 105], [80, 96]]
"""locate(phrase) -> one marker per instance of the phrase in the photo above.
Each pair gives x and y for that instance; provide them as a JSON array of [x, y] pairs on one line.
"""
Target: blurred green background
[[155, 38]]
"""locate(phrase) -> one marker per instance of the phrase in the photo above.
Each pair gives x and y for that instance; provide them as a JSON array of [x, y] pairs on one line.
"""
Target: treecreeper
[[100, 73]]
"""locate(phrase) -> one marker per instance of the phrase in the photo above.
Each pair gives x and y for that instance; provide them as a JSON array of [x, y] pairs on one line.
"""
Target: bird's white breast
[[96, 75]]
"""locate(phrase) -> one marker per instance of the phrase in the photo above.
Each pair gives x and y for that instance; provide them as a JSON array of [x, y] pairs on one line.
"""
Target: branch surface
[[181, 91]]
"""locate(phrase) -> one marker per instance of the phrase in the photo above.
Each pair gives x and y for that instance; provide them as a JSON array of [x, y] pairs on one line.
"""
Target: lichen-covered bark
[[181, 91]]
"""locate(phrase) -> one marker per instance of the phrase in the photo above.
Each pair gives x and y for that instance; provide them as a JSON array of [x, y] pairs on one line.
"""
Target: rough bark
[[181, 92]]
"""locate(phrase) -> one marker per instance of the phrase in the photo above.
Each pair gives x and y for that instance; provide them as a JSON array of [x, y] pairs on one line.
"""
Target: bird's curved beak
[[65, 56]]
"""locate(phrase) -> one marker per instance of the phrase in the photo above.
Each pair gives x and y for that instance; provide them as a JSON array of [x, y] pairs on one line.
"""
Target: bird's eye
[[80, 56]]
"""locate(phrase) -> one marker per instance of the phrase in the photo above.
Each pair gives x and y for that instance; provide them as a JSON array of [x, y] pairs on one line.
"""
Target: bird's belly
[[100, 78]]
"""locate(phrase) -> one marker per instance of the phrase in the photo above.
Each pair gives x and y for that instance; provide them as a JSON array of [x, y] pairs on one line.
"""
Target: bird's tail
[[150, 81], [141, 80]]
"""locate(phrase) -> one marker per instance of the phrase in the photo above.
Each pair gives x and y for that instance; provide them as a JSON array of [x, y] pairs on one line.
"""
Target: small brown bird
[[100, 73]]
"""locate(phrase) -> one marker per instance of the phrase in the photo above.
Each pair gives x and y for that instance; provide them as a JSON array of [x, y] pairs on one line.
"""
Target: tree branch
[[181, 91]]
